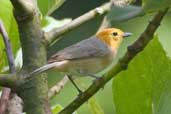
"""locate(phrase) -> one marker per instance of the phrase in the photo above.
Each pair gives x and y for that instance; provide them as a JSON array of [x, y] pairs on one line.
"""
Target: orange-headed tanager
[[88, 56]]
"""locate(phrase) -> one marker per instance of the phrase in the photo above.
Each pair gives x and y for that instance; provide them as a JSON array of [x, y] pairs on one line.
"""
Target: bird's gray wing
[[89, 48]]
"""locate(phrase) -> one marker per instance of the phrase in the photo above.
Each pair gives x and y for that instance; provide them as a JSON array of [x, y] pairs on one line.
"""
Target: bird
[[88, 56]]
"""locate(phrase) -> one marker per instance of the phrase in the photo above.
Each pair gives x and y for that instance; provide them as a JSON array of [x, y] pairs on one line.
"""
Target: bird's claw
[[98, 79]]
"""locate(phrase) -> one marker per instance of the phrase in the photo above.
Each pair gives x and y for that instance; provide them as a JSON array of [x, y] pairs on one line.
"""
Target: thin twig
[[57, 88], [6, 91], [57, 32], [6, 40], [134, 49]]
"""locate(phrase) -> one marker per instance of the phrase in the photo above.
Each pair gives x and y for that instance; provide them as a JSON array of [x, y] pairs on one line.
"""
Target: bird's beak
[[127, 34]]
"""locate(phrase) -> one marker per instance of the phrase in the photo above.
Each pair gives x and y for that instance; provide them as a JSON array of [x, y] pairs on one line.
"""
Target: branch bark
[[133, 50], [9, 80], [57, 32], [34, 55]]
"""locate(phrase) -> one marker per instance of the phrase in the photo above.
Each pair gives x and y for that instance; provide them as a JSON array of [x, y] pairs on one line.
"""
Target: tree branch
[[57, 88], [6, 91], [24, 9], [133, 50], [9, 80], [8, 48], [26, 13], [57, 32]]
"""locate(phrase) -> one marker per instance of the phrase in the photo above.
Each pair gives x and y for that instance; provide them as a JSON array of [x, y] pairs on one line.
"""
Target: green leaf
[[57, 108], [155, 5], [48, 6], [164, 34], [94, 106], [145, 87], [124, 13], [6, 15]]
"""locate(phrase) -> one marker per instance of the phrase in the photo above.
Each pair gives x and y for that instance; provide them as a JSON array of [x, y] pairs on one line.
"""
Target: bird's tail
[[47, 67]]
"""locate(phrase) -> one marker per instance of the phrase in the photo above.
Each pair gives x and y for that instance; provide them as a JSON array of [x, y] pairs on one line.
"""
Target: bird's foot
[[98, 80], [75, 85], [87, 74]]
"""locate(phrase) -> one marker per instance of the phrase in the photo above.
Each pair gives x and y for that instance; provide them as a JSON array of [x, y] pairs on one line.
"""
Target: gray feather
[[89, 48]]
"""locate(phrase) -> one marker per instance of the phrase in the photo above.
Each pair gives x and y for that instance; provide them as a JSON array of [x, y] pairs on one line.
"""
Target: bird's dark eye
[[115, 33]]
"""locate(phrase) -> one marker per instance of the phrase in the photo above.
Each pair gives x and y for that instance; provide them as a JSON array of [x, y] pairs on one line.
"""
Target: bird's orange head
[[112, 36]]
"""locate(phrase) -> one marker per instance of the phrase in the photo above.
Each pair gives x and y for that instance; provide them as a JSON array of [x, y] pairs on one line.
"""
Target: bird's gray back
[[88, 48]]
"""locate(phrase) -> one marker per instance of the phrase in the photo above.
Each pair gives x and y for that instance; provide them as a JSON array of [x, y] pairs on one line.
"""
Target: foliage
[[6, 15], [48, 6], [145, 85], [152, 5], [126, 13], [94, 106], [57, 108]]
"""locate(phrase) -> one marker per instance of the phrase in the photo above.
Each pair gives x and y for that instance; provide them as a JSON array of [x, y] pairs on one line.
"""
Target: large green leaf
[[48, 6], [145, 87], [6, 15], [155, 5]]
